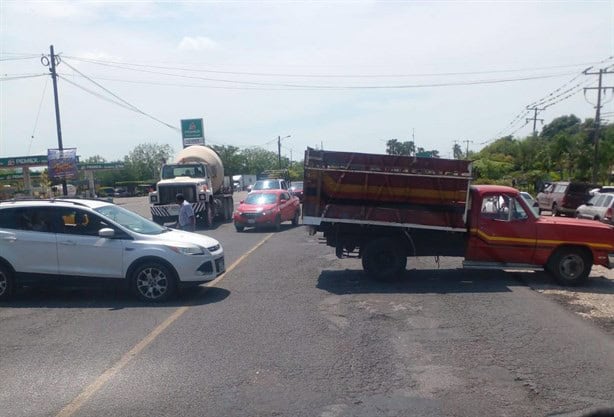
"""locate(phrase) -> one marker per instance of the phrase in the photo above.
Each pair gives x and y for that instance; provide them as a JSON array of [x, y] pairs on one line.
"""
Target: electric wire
[[267, 74], [341, 87], [21, 77], [554, 97], [130, 106], [38, 113]]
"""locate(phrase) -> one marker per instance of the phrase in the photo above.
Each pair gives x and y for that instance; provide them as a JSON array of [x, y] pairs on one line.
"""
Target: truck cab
[[505, 233]]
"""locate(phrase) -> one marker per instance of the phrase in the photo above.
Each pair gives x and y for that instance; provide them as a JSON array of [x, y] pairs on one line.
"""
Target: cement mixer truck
[[198, 174]]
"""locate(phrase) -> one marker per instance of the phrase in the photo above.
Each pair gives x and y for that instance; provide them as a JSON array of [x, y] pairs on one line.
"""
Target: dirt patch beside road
[[594, 301]]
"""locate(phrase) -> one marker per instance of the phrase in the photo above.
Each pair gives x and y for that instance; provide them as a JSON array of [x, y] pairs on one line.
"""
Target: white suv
[[83, 242]]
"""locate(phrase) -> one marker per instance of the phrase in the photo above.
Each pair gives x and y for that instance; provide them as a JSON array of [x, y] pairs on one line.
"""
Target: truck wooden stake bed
[[385, 208]]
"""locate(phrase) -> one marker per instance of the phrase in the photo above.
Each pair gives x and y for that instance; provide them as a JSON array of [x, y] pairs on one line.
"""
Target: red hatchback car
[[267, 208]]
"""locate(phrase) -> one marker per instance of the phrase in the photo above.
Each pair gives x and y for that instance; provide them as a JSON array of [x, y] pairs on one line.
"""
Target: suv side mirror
[[106, 232]]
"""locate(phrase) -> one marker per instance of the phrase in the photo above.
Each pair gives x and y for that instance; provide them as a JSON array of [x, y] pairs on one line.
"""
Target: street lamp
[[279, 138]]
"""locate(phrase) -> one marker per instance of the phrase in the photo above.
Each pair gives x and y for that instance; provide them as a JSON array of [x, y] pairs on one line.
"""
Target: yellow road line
[[78, 402]]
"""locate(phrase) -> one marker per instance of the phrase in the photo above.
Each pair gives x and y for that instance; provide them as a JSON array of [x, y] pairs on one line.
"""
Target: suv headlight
[[188, 250], [214, 248]]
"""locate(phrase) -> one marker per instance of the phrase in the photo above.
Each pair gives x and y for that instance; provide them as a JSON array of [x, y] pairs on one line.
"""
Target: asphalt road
[[290, 330]]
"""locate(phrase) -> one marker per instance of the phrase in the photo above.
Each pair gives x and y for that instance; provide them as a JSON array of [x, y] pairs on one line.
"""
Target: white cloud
[[198, 43]]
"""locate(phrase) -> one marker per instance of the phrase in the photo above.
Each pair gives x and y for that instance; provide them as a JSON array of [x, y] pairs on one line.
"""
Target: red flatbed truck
[[386, 208]]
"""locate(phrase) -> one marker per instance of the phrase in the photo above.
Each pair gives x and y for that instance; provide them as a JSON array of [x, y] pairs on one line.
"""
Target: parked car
[[564, 197], [87, 242], [270, 184], [121, 192], [599, 207], [267, 208], [106, 192], [297, 189], [531, 202]]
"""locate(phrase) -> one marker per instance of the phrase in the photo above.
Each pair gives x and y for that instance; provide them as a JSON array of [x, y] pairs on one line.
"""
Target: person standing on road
[[186, 220]]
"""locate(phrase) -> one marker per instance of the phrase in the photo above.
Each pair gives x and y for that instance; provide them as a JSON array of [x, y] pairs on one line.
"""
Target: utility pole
[[51, 62], [279, 152], [597, 117], [467, 141], [279, 138], [534, 118]]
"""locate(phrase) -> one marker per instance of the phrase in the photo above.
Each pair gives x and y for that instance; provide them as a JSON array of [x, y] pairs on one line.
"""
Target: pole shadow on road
[[111, 298], [414, 281]]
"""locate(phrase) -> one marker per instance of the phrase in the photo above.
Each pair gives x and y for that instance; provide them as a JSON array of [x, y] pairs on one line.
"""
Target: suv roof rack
[[54, 199]]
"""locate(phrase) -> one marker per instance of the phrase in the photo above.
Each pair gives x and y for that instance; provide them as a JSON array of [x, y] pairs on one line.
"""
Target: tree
[[144, 161], [234, 161], [96, 159], [564, 124], [394, 147], [457, 151], [258, 160]]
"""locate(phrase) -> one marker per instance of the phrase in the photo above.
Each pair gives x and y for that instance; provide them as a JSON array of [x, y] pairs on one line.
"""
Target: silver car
[[599, 207]]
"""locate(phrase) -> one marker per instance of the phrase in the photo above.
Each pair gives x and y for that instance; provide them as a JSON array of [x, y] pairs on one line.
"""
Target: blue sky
[[350, 45]]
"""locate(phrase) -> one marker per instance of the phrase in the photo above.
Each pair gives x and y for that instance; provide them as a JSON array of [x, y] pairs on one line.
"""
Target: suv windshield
[[267, 185], [261, 198], [130, 220]]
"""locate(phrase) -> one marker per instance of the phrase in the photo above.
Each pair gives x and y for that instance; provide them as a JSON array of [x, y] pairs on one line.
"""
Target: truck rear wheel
[[209, 216], [384, 259], [228, 208], [570, 266]]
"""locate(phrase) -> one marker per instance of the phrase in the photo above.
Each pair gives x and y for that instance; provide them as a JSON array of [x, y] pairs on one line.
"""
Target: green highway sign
[[101, 165], [192, 132], [23, 161], [13, 176]]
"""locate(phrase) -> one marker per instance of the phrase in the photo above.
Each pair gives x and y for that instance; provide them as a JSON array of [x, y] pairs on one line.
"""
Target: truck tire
[[209, 215], [555, 210], [228, 209], [296, 217], [570, 266], [383, 259]]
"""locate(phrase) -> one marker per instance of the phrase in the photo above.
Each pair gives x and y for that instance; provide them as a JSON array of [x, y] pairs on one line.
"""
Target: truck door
[[505, 232]]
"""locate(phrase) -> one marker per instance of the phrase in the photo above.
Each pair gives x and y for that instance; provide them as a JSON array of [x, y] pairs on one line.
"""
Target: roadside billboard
[[62, 164]]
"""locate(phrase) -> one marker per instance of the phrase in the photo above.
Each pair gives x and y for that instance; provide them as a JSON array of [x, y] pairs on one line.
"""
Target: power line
[[554, 97], [18, 58], [38, 113], [267, 74], [100, 96], [21, 77], [131, 106], [340, 87]]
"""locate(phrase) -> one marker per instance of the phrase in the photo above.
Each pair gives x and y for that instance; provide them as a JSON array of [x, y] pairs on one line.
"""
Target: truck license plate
[[251, 221], [173, 210]]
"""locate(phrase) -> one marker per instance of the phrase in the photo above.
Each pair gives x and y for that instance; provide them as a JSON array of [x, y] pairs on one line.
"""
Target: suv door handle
[[9, 238], [68, 243]]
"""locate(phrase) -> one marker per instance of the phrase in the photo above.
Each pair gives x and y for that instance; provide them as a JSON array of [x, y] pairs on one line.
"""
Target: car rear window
[[579, 188]]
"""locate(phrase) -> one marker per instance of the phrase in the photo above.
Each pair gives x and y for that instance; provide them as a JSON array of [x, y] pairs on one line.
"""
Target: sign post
[[192, 132]]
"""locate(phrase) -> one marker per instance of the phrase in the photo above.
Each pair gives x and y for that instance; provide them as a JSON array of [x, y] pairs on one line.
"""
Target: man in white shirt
[[186, 220]]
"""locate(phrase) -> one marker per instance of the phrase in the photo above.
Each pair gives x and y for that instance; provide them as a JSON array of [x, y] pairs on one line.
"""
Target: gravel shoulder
[[593, 301]]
